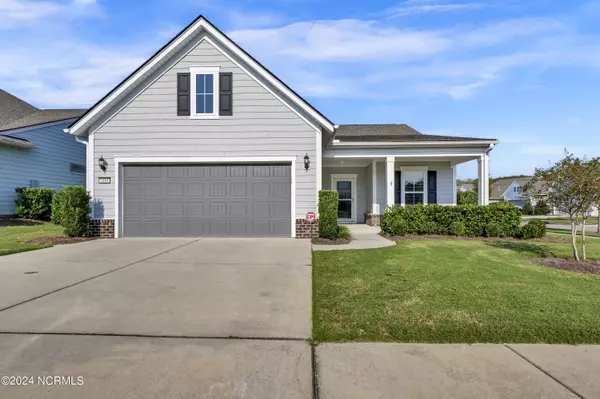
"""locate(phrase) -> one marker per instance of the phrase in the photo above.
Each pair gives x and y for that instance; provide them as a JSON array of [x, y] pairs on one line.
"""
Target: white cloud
[[15, 13], [412, 7]]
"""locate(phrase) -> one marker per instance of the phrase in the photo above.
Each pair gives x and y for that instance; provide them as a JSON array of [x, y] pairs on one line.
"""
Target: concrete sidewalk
[[363, 237], [428, 371]]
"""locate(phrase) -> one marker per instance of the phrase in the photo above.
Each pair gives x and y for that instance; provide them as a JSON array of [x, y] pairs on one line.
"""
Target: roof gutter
[[337, 143]]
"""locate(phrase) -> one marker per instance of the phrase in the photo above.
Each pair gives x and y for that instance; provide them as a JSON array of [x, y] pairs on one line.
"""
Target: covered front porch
[[369, 180]]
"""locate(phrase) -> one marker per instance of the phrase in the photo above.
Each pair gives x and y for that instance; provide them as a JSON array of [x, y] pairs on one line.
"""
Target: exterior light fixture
[[102, 163], [306, 162]]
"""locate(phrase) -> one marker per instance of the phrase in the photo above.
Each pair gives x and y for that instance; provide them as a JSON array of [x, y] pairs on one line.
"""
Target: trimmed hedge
[[533, 229], [467, 198], [34, 203], [71, 209], [328, 213], [501, 219]]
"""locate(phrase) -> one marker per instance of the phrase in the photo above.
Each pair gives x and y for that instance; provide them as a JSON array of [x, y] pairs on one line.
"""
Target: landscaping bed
[[328, 241], [58, 240], [455, 291], [570, 265], [556, 239]]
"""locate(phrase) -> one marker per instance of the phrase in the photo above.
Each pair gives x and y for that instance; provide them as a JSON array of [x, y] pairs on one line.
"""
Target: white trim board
[[197, 160], [155, 62]]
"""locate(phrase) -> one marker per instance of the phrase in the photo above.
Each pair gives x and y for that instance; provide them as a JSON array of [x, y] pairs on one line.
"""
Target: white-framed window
[[205, 92], [414, 185]]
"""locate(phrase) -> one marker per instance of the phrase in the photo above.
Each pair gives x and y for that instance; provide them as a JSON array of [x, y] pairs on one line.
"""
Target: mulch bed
[[16, 222], [58, 240], [570, 265], [443, 237], [327, 241]]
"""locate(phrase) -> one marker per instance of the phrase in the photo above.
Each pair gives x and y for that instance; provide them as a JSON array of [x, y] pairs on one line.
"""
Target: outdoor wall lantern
[[306, 162], [102, 163]]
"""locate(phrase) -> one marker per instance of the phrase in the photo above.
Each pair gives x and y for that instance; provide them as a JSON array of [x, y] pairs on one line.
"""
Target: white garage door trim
[[197, 160]]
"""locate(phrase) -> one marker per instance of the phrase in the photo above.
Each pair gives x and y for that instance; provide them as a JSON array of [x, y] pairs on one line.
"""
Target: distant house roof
[[392, 133], [500, 186], [467, 187], [16, 113]]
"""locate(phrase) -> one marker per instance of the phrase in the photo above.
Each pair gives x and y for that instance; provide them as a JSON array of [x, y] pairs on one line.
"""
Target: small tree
[[542, 208], [527, 206], [573, 186]]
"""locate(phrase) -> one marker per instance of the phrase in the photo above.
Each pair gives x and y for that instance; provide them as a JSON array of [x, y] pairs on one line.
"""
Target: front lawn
[[11, 238], [442, 290]]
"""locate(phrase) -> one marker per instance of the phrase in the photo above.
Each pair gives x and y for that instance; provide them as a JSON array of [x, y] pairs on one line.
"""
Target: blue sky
[[526, 72]]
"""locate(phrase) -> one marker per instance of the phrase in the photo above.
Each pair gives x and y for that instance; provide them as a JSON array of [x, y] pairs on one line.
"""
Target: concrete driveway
[[236, 312]]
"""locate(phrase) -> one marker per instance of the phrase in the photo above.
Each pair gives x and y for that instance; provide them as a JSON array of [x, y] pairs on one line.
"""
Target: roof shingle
[[391, 133]]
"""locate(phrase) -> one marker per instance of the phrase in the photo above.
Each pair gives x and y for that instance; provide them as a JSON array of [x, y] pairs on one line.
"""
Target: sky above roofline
[[524, 71]]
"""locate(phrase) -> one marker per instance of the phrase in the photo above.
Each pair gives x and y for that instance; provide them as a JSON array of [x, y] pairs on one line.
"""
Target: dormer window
[[205, 89]]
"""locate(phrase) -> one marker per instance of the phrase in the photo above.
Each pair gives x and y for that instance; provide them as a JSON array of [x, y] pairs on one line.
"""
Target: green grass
[[428, 290], [568, 232], [592, 220], [11, 238]]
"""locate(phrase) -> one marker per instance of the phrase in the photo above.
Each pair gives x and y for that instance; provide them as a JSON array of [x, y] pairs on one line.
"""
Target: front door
[[345, 185]]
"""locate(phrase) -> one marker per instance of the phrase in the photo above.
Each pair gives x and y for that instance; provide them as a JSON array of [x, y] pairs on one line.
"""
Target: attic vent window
[[205, 89]]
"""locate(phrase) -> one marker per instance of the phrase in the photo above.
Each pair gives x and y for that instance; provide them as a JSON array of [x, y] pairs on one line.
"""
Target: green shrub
[[57, 207], [72, 210], [328, 214], [542, 208], [527, 207], [343, 232], [34, 203], [458, 229], [533, 229], [439, 219], [494, 230], [467, 198]]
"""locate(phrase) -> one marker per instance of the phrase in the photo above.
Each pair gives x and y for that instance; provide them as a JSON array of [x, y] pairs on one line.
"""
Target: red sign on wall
[[310, 217]]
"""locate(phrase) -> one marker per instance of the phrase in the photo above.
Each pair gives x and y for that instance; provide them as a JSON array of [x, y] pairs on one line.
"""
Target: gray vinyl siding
[[361, 192], [261, 125], [48, 163]]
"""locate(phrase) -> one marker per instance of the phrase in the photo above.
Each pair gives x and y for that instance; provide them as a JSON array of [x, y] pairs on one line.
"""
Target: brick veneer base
[[103, 228], [306, 230], [372, 220]]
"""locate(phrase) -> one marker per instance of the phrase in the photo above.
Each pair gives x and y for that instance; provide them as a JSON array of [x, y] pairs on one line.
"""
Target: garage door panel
[[207, 200]]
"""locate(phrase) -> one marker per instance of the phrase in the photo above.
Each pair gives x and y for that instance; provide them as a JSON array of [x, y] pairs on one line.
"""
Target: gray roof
[[499, 186], [390, 132], [13, 108], [6, 140], [16, 113]]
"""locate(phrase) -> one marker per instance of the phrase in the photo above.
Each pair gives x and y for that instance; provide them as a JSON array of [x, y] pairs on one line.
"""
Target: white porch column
[[375, 204], [482, 180], [486, 179], [455, 188], [389, 180]]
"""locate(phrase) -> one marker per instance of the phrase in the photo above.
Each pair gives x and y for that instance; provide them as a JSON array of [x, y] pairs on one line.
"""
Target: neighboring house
[[202, 140], [509, 190], [466, 187], [34, 149]]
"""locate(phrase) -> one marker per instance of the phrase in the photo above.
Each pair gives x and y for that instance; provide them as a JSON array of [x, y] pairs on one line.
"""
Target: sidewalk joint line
[[315, 377], [94, 277], [564, 385], [174, 336]]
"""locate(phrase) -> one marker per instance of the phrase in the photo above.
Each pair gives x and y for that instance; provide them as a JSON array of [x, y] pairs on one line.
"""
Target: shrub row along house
[[203, 140], [35, 151]]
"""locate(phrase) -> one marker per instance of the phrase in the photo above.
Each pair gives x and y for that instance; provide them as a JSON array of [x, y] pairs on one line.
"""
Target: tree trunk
[[574, 239], [598, 227], [583, 252]]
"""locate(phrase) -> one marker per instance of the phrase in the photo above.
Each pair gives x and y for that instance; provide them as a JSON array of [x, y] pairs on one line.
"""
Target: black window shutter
[[225, 94], [432, 187], [398, 188], [183, 94]]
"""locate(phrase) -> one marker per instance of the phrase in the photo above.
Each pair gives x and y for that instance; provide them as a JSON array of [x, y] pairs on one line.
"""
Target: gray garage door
[[207, 200]]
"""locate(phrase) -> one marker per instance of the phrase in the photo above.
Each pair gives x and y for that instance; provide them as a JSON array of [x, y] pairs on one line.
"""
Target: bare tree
[[573, 186]]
